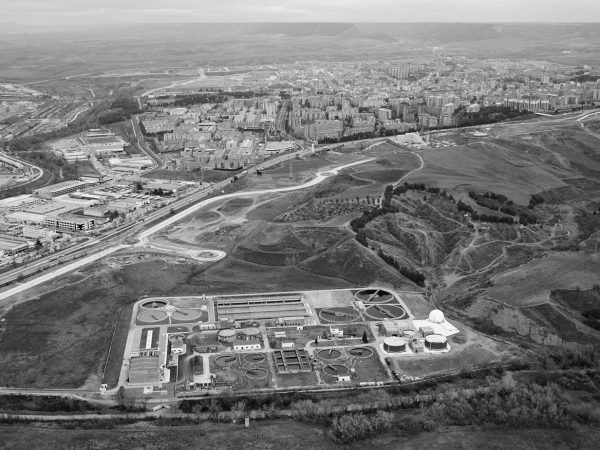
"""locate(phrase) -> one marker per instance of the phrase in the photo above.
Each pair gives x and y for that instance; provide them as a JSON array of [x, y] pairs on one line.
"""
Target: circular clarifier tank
[[152, 317], [186, 315], [153, 304], [385, 312], [338, 314], [374, 296], [334, 370], [328, 354]]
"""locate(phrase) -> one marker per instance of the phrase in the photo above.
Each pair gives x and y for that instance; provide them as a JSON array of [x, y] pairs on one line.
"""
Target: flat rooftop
[[144, 369]]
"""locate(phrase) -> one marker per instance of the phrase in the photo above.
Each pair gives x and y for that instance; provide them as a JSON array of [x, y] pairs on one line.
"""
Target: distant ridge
[[305, 28]]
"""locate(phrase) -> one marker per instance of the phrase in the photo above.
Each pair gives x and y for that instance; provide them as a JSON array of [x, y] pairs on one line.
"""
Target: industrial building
[[102, 142], [70, 222], [18, 202], [267, 307], [144, 369], [65, 187], [11, 245]]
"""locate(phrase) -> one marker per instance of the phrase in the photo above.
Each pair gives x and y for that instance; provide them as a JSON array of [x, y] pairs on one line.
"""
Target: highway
[[18, 162], [114, 240]]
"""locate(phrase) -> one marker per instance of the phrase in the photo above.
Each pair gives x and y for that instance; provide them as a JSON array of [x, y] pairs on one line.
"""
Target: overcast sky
[[92, 12]]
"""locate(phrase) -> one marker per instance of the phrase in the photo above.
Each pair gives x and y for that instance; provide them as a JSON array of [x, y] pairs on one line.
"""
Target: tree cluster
[[423, 188], [368, 215], [353, 427], [535, 199], [412, 274], [521, 406]]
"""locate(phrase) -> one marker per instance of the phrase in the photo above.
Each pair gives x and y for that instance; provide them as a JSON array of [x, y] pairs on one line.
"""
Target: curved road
[[39, 170], [144, 236]]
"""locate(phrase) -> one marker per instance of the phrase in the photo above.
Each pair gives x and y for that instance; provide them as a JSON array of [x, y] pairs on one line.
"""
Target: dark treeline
[[487, 114], [412, 274], [199, 99], [523, 406], [421, 187], [121, 109], [499, 202], [535, 199]]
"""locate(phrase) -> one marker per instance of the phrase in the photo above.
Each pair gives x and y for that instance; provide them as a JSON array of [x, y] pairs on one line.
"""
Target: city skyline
[[70, 13]]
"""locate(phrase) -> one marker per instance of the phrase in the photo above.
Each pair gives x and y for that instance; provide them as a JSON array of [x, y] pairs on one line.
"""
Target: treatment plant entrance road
[[144, 236]]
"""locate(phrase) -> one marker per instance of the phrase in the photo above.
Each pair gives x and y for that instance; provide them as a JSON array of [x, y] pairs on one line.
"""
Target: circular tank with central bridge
[[152, 317], [186, 315]]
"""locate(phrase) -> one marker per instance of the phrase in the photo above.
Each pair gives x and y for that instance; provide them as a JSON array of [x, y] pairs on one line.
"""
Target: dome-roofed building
[[436, 316]]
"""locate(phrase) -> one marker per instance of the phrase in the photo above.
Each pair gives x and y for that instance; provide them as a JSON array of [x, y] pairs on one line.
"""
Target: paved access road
[[144, 236]]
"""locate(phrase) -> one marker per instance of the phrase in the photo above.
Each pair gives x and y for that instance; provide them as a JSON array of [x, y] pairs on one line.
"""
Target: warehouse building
[[11, 245], [66, 187]]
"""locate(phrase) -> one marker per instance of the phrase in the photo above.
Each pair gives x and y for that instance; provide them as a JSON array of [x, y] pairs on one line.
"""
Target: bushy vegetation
[[487, 114], [15, 403], [121, 109], [353, 427], [498, 406], [569, 358], [421, 187], [499, 202], [199, 99], [367, 216], [520, 406], [535, 199], [412, 274], [592, 318], [587, 223]]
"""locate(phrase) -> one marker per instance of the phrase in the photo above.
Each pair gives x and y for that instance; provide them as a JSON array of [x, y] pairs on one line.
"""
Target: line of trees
[[421, 187], [412, 274]]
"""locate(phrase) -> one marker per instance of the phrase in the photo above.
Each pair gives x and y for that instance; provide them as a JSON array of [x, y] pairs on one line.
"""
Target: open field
[[532, 283], [481, 167], [298, 435]]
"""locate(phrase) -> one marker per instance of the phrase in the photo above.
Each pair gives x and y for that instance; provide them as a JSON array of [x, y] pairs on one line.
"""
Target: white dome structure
[[436, 316]]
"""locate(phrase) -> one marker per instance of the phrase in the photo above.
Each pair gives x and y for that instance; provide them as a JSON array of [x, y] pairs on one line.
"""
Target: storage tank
[[394, 344], [249, 334], [226, 336], [408, 334], [436, 342]]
